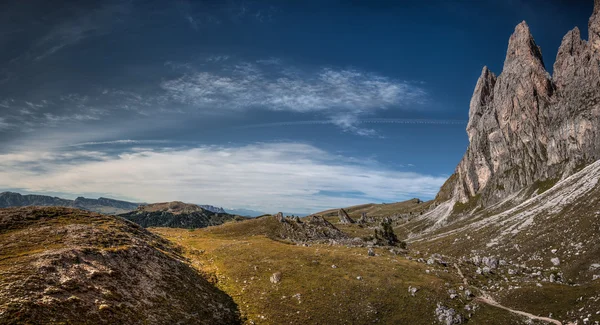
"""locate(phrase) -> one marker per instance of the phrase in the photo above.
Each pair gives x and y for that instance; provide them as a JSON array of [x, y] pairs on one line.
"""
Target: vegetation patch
[[543, 186], [470, 205]]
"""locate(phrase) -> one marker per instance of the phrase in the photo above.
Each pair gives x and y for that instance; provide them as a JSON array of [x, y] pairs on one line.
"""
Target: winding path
[[487, 299]]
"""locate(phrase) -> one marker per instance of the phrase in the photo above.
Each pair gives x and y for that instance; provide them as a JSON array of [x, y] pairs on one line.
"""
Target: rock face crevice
[[527, 127]]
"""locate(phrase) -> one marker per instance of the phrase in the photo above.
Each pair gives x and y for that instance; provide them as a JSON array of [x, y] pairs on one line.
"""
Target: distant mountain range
[[100, 205], [213, 208], [245, 212]]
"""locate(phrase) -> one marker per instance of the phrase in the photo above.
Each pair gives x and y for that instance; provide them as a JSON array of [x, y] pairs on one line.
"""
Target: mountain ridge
[[526, 126], [100, 205]]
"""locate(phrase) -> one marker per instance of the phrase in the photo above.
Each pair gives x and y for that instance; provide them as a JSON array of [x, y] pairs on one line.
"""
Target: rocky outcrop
[[311, 229], [212, 208], [527, 127], [344, 217]]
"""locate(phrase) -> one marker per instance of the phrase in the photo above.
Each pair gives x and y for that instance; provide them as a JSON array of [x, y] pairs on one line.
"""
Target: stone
[[490, 262], [344, 217], [447, 316], [555, 261], [279, 216], [276, 277], [412, 290]]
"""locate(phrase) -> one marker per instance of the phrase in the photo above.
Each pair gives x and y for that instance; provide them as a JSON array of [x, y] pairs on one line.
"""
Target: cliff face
[[527, 127]]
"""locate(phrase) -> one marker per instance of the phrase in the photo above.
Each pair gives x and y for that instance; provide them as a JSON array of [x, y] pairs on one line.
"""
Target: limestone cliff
[[527, 127]]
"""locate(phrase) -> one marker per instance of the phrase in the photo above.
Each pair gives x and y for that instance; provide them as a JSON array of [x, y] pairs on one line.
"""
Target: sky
[[272, 106]]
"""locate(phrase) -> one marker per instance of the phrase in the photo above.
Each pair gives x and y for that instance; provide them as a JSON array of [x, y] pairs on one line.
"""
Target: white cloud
[[121, 142], [248, 86], [4, 124], [343, 95], [267, 177]]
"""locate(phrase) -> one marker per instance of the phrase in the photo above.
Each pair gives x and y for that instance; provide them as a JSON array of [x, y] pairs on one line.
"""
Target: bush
[[385, 234]]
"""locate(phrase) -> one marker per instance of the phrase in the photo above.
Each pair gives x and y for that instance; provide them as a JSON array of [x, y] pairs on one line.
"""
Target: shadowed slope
[[60, 265]]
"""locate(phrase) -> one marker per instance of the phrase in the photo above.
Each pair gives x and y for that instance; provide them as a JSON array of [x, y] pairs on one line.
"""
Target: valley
[[512, 236]]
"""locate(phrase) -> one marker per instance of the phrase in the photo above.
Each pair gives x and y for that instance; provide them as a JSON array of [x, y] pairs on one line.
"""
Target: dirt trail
[[487, 299]]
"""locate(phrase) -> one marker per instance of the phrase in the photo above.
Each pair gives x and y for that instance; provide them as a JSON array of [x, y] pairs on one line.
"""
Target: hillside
[[314, 282], [178, 215], [67, 266], [100, 205], [414, 206]]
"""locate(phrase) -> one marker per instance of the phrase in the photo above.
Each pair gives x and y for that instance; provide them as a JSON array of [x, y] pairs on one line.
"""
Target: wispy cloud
[[266, 177], [87, 22], [118, 142], [4, 124], [360, 121], [341, 94], [200, 14]]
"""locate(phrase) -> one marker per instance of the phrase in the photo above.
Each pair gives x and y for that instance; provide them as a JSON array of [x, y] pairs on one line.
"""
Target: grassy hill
[[67, 266]]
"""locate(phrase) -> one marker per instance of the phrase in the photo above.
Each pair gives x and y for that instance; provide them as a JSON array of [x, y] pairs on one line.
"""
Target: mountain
[[66, 266], [212, 208], [527, 129], [245, 212], [177, 214], [100, 205]]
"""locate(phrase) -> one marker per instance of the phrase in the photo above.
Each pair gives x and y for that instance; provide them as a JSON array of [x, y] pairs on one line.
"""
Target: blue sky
[[266, 105]]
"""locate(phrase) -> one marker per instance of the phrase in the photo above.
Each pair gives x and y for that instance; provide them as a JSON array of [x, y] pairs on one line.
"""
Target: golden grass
[[311, 291]]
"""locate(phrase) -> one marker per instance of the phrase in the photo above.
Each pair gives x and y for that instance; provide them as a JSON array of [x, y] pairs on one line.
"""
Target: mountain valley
[[512, 237]]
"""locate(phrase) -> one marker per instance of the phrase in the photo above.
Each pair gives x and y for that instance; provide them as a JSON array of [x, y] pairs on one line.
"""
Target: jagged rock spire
[[482, 96], [344, 217], [566, 65], [522, 47], [526, 127], [594, 27]]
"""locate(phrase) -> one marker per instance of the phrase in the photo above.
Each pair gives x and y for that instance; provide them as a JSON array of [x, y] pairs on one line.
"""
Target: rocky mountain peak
[[522, 48], [527, 128], [482, 96], [571, 48], [594, 27]]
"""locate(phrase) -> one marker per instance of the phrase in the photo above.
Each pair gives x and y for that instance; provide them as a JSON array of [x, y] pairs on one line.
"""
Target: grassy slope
[[240, 258], [380, 210], [574, 232], [68, 266]]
